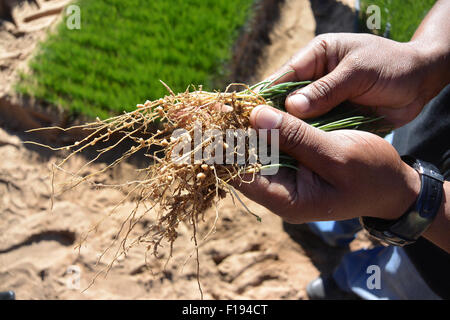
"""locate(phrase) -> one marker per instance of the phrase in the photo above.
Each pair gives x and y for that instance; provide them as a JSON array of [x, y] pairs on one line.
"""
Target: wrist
[[420, 215], [407, 195], [432, 60], [438, 230]]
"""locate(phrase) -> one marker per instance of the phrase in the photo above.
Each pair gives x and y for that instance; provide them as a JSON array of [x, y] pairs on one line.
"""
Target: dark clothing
[[428, 138]]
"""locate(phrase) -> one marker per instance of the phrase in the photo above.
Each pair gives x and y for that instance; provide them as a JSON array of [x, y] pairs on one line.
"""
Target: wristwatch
[[412, 224]]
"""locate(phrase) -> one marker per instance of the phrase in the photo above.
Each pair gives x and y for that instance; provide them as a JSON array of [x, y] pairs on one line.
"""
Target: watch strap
[[411, 225]]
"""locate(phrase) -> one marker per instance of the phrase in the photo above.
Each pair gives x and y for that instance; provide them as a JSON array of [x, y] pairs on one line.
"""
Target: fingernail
[[298, 103], [266, 118]]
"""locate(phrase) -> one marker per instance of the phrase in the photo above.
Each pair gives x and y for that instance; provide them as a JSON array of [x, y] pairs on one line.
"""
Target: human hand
[[398, 79], [341, 174]]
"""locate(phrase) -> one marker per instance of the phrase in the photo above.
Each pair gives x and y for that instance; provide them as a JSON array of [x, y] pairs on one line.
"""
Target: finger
[[324, 94], [278, 193], [271, 191], [222, 107], [309, 63], [310, 146], [296, 196]]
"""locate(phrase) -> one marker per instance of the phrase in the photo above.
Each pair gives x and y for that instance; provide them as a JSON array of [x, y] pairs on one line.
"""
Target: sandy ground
[[300, 21], [242, 259], [20, 33]]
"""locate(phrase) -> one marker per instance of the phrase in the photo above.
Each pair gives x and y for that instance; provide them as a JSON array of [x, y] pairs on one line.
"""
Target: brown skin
[[346, 174]]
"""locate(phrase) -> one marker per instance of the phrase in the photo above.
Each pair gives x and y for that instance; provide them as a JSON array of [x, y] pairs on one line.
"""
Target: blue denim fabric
[[398, 277], [336, 233]]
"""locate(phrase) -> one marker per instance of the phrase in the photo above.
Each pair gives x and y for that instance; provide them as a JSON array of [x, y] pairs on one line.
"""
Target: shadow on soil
[[333, 16], [330, 16]]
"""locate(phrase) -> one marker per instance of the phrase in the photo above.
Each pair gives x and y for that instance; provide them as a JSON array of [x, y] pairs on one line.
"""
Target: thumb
[[322, 95], [312, 147]]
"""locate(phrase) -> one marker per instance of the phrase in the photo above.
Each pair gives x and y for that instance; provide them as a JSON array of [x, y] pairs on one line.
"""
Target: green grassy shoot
[[124, 47]]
